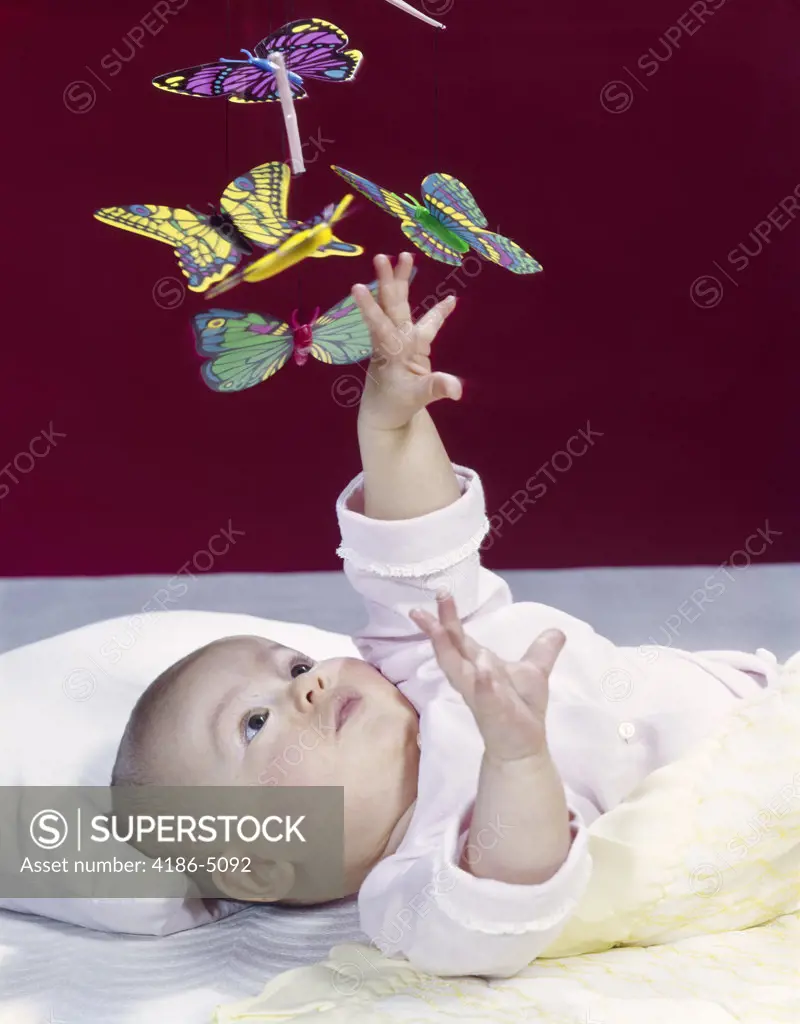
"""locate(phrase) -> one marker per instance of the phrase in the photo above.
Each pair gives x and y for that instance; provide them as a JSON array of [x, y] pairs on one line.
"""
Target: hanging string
[[268, 119], [436, 101], [288, 6], [227, 102], [279, 120]]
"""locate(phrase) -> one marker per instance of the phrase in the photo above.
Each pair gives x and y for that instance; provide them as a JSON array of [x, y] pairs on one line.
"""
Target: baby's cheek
[[355, 672], [305, 760]]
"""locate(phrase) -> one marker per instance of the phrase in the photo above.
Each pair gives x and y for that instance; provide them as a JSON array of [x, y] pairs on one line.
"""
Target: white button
[[627, 730]]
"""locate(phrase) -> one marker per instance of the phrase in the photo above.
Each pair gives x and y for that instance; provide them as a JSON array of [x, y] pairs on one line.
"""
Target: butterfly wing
[[313, 48], [204, 255], [505, 253], [452, 203], [388, 201], [335, 246], [265, 89], [245, 348], [239, 81], [296, 248], [341, 336], [444, 194], [430, 244], [257, 202]]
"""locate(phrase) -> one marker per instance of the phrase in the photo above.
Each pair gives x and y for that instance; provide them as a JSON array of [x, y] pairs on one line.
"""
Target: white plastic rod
[[417, 14], [289, 113]]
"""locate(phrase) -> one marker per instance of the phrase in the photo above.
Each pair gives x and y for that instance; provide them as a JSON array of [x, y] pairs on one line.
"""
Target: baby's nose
[[309, 687]]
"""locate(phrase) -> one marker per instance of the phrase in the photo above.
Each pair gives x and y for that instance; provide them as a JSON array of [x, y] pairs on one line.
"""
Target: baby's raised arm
[[411, 522], [407, 472]]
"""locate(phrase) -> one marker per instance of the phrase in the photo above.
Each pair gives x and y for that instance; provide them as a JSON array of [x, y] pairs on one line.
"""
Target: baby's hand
[[508, 699], [399, 379]]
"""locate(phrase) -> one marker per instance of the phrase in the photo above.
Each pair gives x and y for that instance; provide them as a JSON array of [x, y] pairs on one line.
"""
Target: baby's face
[[251, 712]]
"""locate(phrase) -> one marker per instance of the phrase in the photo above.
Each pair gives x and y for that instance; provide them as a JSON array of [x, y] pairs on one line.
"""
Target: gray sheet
[[743, 608], [75, 976]]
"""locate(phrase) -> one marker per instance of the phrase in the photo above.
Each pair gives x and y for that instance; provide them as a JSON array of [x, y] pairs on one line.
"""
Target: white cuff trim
[[416, 548], [415, 570], [488, 927], [489, 907]]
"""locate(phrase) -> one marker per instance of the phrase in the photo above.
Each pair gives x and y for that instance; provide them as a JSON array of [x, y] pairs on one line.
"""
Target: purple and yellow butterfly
[[311, 48], [244, 349], [209, 247], [447, 223]]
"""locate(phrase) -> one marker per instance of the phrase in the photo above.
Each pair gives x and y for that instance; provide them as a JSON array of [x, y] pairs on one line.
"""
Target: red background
[[697, 406]]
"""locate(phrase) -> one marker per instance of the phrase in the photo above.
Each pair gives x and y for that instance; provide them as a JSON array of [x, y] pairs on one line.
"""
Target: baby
[[476, 741]]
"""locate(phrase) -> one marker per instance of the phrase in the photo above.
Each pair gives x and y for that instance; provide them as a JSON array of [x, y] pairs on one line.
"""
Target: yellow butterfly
[[209, 247], [314, 238]]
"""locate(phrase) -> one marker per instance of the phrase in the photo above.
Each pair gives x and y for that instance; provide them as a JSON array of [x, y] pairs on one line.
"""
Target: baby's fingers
[[393, 289], [449, 657], [544, 651], [487, 686], [448, 617], [428, 327], [444, 385], [374, 317], [403, 267], [497, 709]]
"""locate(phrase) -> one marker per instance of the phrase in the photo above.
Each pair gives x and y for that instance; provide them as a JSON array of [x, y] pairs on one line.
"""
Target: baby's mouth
[[346, 707]]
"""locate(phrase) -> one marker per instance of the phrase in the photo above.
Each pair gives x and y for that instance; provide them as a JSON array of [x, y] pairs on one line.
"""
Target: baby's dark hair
[[133, 766], [142, 784]]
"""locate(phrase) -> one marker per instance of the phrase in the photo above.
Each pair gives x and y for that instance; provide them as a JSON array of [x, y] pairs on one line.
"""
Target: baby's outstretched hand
[[508, 699], [399, 379]]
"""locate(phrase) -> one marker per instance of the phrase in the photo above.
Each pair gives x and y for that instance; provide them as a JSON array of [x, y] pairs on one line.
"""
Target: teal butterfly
[[447, 223], [244, 349]]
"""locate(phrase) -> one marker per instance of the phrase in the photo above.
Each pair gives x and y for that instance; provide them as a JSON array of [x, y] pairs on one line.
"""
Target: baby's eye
[[299, 668], [256, 723]]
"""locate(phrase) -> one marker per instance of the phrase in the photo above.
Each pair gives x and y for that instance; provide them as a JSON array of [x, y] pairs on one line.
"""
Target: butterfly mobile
[[243, 349]]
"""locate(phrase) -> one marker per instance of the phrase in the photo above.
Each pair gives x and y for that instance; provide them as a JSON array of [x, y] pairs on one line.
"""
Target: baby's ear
[[252, 880]]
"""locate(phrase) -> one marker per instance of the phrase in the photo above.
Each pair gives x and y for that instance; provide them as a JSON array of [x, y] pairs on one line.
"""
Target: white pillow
[[64, 703]]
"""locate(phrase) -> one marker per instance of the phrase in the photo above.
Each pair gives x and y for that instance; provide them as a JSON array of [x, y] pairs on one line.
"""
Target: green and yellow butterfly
[[210, 246], [244, 349], [447, 223]]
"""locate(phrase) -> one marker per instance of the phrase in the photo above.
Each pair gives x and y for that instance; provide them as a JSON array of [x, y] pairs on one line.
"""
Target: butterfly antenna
[[293, 321], [315, 317]]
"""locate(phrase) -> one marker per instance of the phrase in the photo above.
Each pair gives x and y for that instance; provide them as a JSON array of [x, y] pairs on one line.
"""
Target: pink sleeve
[[401, 564], [447, 922]]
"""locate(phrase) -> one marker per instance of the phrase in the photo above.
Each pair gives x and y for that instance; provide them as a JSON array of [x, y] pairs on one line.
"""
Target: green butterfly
[[244, 349]]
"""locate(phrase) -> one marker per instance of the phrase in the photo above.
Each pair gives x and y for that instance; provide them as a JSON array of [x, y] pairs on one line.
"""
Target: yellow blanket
[[696, 877]]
